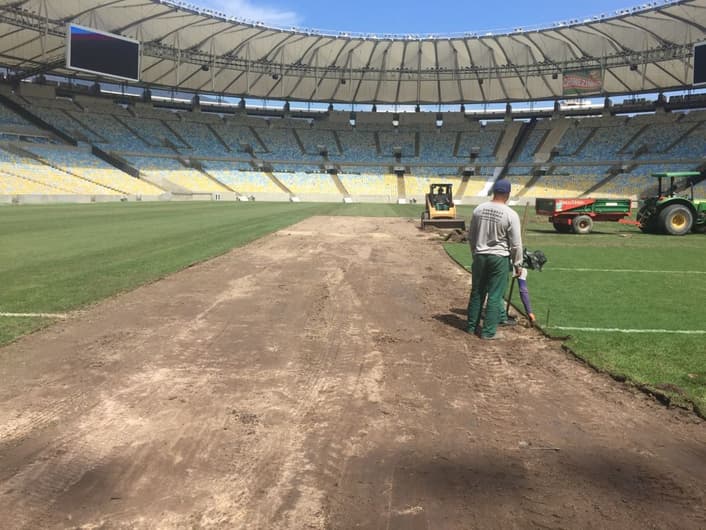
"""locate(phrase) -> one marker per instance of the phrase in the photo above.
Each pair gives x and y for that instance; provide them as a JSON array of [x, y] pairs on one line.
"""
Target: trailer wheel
[[562, 228], [699, 229], [582, 224], [676, 219]]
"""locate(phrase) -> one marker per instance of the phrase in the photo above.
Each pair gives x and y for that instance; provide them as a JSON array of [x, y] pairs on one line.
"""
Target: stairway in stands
[[401, 188]]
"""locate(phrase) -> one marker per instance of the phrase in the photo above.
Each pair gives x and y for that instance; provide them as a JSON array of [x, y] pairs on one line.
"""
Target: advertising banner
[[580, 82]]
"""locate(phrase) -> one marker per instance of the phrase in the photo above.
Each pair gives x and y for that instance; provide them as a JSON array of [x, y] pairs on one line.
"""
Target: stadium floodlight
[[396, 119]]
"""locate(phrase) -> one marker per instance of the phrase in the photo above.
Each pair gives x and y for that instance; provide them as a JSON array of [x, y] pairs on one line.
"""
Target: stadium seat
[[8, 117], [368, 184], [229, 148], [48, 176], [175, 172], [309, 183], [15, 185], [241, 178], [87, 166]]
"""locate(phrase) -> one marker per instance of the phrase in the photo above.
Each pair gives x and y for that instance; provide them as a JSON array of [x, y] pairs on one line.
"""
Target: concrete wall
[[270, 197], [37, 91], [262, 197], [380, 199], [79, 199], [309, 197], [225, 196]]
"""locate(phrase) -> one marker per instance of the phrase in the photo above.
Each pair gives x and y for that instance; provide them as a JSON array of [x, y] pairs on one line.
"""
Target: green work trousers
[[489, 275]]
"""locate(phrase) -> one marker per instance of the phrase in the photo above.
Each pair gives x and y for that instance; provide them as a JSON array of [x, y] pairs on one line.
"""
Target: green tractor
[[664, 211]]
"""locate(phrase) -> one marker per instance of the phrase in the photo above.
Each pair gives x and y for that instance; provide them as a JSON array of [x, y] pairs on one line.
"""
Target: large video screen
[[700, 64], [98, 52]]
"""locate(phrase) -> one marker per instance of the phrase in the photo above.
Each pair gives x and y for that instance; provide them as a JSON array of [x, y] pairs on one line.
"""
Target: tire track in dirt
[[49, 397], [333, 321], [286, 447], [65, 461]]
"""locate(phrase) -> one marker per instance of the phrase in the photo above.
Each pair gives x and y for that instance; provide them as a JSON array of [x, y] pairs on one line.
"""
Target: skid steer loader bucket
[[447, 224]]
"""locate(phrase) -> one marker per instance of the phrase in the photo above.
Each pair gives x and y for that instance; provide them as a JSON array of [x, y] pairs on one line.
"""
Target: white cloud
[[271, 16]]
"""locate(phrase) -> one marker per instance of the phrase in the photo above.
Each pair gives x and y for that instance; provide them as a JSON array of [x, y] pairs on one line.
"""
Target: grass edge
[[668, 399]]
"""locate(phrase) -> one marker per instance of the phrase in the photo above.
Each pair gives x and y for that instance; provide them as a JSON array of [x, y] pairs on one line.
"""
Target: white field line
[[35, 315], [567, 269], [620, 330], [621, 270]]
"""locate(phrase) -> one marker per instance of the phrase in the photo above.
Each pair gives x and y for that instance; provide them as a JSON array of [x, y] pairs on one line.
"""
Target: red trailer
[[578, 215]]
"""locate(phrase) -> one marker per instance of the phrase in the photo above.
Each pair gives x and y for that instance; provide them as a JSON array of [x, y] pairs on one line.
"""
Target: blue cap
[[502, 186]]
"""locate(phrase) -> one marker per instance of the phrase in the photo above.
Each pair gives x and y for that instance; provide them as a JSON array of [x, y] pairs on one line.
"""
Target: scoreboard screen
[[700, 64], [101, 53]]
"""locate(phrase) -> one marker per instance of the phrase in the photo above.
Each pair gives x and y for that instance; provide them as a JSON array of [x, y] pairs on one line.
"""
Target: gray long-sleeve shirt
[[495, 229]]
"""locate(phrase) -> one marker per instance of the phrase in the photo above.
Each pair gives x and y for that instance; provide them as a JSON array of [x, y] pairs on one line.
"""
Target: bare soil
[[321, 378]]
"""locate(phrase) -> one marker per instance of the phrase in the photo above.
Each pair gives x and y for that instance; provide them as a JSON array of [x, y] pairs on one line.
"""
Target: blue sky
[[399, 17]]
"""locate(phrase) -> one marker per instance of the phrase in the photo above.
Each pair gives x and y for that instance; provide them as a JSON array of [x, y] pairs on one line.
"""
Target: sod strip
[[620, 330], [35, 315], [567, 269]]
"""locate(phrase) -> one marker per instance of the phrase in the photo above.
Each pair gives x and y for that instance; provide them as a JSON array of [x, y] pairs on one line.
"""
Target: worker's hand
[[517, 271]]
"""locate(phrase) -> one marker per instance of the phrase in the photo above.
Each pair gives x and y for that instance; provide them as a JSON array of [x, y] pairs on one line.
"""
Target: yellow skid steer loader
[[440, 210]]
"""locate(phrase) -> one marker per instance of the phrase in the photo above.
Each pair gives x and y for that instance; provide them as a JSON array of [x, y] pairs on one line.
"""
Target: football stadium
[[234, 272]]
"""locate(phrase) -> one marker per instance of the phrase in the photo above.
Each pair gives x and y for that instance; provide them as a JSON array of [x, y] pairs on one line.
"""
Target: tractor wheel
[[582, 224], [562, 228], [676, 220]]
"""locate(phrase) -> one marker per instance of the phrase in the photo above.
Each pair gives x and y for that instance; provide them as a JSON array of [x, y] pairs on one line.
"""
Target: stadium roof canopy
[[647, 49]]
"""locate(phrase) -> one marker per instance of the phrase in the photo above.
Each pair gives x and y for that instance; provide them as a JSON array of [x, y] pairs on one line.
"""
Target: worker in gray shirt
[[496, 246]]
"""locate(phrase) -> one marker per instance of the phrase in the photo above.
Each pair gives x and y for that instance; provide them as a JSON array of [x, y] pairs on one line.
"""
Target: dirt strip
[[321, 378]]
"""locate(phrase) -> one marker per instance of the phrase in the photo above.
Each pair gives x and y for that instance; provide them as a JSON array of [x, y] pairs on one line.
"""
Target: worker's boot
[[508, 322]]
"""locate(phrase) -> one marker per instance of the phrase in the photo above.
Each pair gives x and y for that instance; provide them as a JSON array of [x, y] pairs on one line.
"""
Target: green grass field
[[57, 258], [618, 278]]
